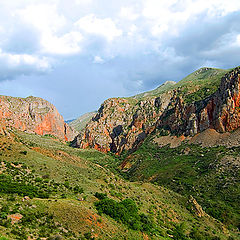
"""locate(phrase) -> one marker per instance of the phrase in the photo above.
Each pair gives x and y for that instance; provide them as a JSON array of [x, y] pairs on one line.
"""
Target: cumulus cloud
[[128, 13], [98, 59], [50, 25], [12, 65], [104, 27]]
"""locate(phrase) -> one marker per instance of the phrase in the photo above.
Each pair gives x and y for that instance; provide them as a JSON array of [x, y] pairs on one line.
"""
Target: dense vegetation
[[126, 212]]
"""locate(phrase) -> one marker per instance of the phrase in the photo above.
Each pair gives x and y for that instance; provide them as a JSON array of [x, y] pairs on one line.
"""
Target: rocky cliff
[[219, 111], [208, 98], [34, 115]]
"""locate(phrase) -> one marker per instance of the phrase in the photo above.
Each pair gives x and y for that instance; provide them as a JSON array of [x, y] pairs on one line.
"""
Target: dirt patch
[[230, 161], [15, 217], [173, 141], [211, 138]]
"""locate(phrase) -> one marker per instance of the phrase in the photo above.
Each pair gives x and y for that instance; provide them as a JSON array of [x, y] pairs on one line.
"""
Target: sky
[[77, 53]]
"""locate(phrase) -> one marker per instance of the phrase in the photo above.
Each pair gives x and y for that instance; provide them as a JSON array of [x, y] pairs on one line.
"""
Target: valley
[[164, 164]]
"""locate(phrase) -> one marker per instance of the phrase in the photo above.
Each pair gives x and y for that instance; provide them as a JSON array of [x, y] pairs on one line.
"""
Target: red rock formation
[[123, 124], [219, 111], [34, 114]]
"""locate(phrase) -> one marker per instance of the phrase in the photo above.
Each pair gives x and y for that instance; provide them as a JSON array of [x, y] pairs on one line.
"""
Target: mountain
[[183, 136], [172, 173], [204, 99], [68, 121], [34, 115], [80, 123]]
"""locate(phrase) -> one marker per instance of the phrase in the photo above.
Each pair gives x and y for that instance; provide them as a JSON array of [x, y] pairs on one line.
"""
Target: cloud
[[98, 59], [43, 17], [13, 65], [103, 27], [128, 46], [50, 24], [67, 44], [128, 13], [169, 16], [83, 2], [20, 39]]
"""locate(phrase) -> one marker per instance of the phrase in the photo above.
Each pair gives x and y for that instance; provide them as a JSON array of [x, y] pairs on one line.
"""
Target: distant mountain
[[80, 123], [68, 121], [34, 115]]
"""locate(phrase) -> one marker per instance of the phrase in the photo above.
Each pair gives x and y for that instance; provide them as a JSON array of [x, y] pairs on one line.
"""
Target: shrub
[[3, 238], [100, 196], [78, 189], [24, 152], [125, 211]]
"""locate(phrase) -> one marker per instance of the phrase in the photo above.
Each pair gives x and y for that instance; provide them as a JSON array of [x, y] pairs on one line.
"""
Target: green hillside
[[196, 86], [210, 174], [80, 123], [48, 191]]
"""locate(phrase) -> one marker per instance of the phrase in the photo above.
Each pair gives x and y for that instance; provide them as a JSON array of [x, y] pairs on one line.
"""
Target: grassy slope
[[82, 121], [162, 88], [194, 87], [53, 160], [201, 173]]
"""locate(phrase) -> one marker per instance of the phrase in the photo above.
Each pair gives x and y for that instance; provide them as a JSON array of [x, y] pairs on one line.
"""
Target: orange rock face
[[123, 124], [34, 115]]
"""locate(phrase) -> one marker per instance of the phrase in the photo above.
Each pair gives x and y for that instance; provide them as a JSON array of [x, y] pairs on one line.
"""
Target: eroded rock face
[[123, 124], [195, 207], [219, 111], [34, 115]]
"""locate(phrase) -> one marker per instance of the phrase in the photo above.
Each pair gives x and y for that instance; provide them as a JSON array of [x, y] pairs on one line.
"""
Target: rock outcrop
[[219, 111], [34, 115], [123, 123], [195, 207]]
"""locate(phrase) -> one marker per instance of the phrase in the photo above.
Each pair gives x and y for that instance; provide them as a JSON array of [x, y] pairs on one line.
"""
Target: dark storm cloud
[[202, 42], [209, 40]]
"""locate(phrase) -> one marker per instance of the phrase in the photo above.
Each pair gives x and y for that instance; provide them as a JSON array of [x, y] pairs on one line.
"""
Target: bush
[[178, 233], [22, 189], [78, 189], [24, 152], [100, 196], [3, 238], [125, 211]]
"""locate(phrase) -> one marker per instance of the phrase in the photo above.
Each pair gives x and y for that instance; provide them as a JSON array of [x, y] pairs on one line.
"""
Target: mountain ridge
[[158, 184], [186, 107]]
